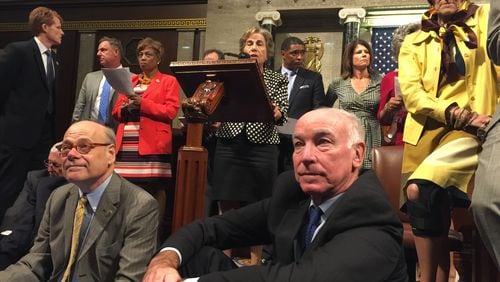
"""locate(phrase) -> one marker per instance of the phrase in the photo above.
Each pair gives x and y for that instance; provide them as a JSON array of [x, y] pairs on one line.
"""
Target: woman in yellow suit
[[450, 89]]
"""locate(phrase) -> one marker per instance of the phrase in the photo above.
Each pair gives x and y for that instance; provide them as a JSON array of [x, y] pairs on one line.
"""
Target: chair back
[[387, 163]]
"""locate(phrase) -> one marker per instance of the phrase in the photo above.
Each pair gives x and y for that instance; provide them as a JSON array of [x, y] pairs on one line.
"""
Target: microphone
[[241, 55]]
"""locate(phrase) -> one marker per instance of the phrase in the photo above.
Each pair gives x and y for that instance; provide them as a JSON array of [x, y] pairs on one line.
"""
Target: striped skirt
[[139, 168]]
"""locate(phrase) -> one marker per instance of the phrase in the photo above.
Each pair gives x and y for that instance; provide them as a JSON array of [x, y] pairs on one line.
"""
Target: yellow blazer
[[419, 64]]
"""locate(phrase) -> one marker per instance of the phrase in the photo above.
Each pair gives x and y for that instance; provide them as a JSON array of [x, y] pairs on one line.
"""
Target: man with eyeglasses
[[99, 227], [22, 220]]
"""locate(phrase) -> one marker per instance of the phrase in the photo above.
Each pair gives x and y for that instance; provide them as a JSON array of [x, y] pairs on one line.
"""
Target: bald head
[[328, 152], [88, 152]]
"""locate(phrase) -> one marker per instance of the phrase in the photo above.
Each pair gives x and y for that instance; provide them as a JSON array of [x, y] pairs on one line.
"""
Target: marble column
[[351, 18], [269, 20]]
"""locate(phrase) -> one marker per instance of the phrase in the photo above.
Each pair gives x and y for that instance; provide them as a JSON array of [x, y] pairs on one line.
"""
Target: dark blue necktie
[[103, 104], [50, 80], [312, 224]]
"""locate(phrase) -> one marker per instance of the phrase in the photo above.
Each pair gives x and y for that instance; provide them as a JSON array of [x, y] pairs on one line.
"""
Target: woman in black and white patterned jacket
[[246, 155]]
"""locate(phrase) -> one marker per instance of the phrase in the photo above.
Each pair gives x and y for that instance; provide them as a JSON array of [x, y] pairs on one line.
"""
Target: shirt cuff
[[175, 250]]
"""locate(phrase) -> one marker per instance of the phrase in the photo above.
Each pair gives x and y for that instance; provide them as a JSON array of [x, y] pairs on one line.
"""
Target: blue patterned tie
[[103, 104], [312, 224]]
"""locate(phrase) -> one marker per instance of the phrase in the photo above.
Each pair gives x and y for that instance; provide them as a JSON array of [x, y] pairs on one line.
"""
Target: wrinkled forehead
[[321, 123], [433, 2], [54, 156], [256, 37], [315, 127], [79, 131]]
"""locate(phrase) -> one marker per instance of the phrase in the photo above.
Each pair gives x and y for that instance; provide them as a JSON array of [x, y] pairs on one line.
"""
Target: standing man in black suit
[[21, 222], [325, 220], [305, 92], [27, 75]]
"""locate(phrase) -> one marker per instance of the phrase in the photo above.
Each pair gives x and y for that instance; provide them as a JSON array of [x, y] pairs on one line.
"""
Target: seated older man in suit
[[326, 222], [21, 221], [100, 227], [486, 196]]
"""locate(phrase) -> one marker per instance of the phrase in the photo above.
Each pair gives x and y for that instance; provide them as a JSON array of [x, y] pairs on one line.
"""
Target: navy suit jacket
[[307, 93], [24, 217], [361, 240], [24, 94]]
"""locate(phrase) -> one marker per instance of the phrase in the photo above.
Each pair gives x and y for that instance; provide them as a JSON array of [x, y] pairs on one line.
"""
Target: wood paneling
[[129, 39]]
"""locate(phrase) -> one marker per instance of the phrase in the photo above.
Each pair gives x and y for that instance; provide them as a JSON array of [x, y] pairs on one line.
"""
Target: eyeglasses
[[48, 163], [82, 147]]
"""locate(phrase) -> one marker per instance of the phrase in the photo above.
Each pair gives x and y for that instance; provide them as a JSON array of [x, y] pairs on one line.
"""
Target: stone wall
[[228, 19]]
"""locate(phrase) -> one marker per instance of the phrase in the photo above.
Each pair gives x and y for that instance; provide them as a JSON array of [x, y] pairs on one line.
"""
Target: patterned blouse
[[258, 132], [365, 106]]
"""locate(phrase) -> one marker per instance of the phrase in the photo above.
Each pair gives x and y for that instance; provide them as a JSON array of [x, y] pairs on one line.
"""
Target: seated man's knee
[[424, 205]]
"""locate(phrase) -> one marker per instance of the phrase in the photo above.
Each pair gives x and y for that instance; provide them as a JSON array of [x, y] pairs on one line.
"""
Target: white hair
[[55, 148], [355, 130]]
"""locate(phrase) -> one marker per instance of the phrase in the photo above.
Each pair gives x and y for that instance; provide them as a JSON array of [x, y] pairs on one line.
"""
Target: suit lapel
[[39, 62], [299, 80], [287, 245], [105, 211], [95, 89]]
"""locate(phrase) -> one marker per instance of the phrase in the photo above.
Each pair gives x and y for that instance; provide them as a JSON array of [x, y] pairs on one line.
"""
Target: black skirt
[[243, 171]]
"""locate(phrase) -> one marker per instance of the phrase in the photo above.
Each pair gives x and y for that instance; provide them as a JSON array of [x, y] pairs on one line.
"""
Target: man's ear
[[112, 154], [45, 27], [358, 151]]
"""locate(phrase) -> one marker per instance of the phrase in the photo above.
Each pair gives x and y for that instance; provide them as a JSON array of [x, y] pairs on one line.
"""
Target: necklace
[[144, 80]]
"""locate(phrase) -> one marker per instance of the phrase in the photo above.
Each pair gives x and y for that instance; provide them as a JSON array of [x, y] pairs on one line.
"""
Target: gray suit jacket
[[120, 242], [494, 32], [87, 97]]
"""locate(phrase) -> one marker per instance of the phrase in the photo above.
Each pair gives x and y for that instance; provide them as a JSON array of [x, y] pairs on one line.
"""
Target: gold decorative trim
[[119, 25]]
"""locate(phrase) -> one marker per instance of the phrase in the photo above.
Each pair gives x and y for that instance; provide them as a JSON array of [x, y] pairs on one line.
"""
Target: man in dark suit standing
[[97, 97], [100, 227], [305, 93], [27, 75], [325, 221], [21, 221]]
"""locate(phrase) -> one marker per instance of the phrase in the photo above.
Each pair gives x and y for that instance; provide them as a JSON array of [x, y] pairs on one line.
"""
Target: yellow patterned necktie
[[77, 224]]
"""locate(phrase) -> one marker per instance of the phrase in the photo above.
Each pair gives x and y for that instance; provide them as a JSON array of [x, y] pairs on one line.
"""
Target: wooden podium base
[[190, 179]]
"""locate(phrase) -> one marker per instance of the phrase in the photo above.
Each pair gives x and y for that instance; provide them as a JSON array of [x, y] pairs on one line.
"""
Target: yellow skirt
[[443, 156]]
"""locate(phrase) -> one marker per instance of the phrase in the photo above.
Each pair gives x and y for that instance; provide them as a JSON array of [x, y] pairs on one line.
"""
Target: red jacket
[[159, 105]]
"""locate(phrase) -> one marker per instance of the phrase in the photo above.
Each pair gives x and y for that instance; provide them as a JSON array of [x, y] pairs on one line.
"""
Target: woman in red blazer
[[144, 135]]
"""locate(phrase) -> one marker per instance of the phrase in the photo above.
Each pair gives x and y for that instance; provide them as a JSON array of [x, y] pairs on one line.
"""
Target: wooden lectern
[[228, 90]]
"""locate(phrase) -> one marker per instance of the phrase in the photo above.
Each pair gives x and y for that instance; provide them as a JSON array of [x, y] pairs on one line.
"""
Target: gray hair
[[355, 130], [55, 147], [113, 42], [109, 134], [398, 37], [265, 33]]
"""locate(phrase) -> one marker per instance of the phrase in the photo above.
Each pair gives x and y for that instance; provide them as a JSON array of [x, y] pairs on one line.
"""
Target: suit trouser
[[486, 196], [15, 163], [207, 260]]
